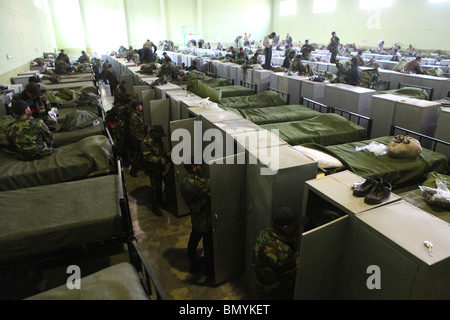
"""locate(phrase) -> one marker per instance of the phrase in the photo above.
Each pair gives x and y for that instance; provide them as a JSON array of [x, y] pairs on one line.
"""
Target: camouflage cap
[[19, 107]]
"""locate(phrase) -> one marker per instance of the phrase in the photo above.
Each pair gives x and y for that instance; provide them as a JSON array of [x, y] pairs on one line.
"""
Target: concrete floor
[[164, 242]]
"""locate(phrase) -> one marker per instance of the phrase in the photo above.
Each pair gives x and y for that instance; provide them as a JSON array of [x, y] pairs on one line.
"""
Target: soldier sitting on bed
[[30, 137]]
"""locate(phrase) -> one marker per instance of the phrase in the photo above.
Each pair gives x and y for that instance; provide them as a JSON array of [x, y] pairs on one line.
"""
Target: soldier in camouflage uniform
[[61, 67], [167, 73], [254, 59], [96, 65], [84, 58], [155, 157], [195, 191], [306, 50], [275, 258], [121, 96], [298, 66], [64, 57], [242, 55], [105, 71], [39, 104], [116, 127], [30, 137], [333, 46], [111, 76], [138, 131]]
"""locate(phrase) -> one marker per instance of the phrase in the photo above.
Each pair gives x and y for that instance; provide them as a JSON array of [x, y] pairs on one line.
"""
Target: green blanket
[[204, 91], [325, 129], [399, 172], [64, 96], [63, 138], [276, 114], [235, 91], [263, 99], [68, 163], [59, 216], [409, 92], [211, 82], [78, 119]]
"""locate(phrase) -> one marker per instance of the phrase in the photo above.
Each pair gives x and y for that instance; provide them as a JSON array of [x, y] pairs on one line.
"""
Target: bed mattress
[[59, 216], [325, 129], [90, 156]]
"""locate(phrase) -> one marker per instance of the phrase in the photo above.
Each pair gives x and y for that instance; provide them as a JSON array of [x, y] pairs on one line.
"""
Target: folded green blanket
[[409, 92], [263, 99], [325, 129], [203, 90]]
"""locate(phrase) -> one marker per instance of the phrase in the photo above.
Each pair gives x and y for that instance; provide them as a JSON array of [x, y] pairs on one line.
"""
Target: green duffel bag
[[204, 91]]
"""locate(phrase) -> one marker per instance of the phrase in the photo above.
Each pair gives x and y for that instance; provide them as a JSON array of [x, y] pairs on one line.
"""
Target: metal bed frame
[[314, 105], [149, 280], [351, 116], [286, 96], [403, 85], [356, 118], [421, 137]]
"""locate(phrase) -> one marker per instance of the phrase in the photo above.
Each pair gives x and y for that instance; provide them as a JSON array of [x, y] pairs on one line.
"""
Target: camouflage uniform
[[306, 51], [334, 48], [39, 107], [253, 60], [31, 138], [61, 67], [96, 68], [275, 262], [63, 57], [138, 131], [242, 56], [121, 96], [104, 71], [195, 191], [298, 66], [111, 76], [153, 152], [166, 73], [84, 58]]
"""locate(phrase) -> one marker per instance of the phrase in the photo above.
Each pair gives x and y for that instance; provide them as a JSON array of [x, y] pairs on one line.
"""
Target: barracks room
[[224, 150]]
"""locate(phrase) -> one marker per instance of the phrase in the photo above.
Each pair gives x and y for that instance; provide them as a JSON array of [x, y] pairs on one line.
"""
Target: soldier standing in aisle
[[155, 157], [111, 76]]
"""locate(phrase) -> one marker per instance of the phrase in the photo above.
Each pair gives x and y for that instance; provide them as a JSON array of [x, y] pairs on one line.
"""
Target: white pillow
[[325, 160]]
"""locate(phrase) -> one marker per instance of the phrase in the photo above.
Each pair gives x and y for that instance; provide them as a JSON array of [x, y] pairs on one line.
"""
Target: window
[[288, 8], [322, 6], [372, 4], [38, 4]]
